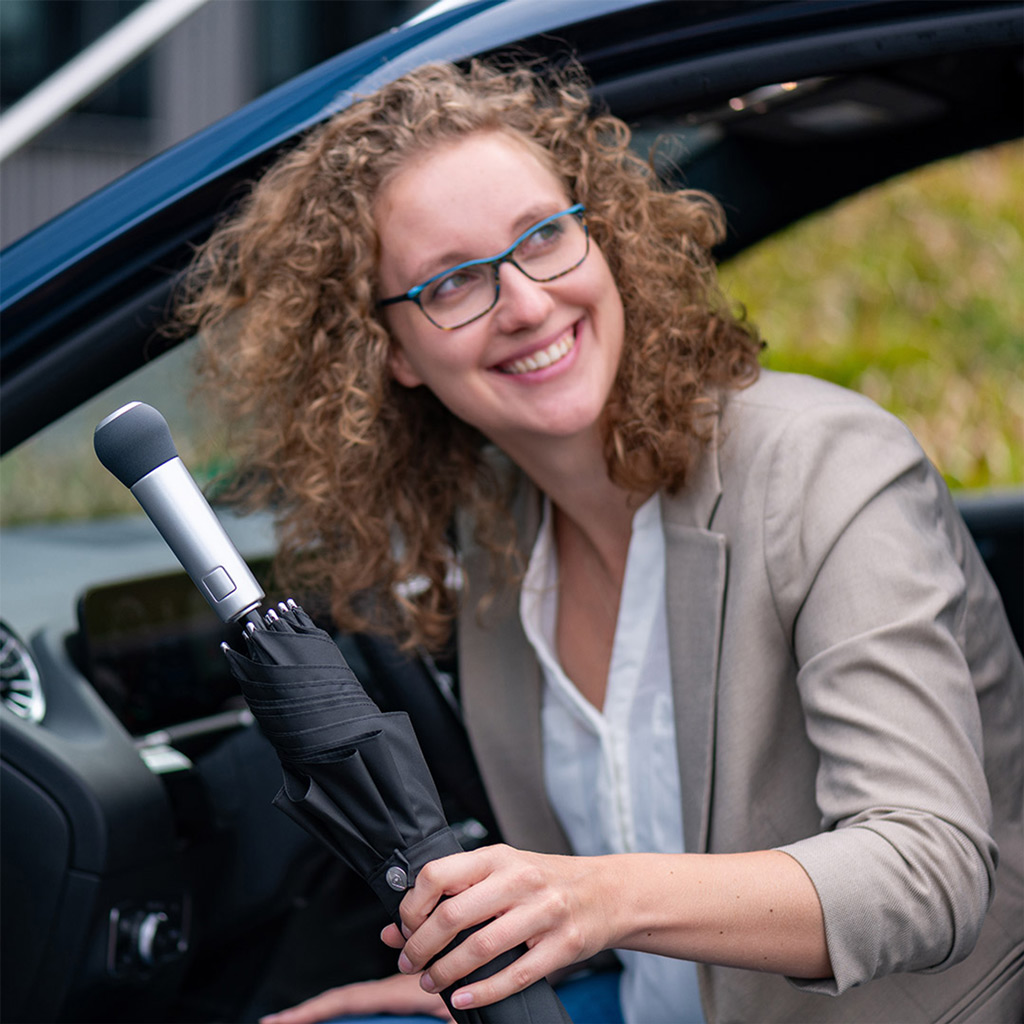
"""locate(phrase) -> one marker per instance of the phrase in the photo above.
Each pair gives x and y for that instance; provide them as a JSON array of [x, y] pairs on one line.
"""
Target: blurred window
[[38, 37], [911, 292], [292, 35]]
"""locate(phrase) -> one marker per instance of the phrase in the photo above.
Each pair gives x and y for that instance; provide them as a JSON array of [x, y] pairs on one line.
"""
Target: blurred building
[[220, 57]]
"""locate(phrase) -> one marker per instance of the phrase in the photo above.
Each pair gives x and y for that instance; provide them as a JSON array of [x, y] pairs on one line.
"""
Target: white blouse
[[612, 776]]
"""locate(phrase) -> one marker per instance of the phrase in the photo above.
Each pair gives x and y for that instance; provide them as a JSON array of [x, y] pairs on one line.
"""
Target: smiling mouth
[[542, 358]]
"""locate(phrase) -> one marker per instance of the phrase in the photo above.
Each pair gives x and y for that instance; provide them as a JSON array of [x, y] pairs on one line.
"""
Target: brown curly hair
[[365, 476]]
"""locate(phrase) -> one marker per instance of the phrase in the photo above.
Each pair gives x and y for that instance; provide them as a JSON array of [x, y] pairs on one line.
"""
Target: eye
[[544, 237], [455, 285]]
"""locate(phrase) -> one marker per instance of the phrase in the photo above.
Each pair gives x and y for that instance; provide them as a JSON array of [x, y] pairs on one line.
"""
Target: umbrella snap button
[[397, 879]]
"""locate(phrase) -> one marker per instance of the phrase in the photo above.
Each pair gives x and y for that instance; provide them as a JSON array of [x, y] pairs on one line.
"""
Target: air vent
[[20, 688]]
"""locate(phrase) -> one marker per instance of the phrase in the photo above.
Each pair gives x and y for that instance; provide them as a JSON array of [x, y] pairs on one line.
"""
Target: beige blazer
[[846, 688]]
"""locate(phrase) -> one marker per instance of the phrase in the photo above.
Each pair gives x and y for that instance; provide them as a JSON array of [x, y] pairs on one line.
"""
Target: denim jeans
[[589, 999]]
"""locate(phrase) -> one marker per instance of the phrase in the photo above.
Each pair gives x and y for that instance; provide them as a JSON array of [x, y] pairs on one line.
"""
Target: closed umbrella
[[354, 776], [355, 779]]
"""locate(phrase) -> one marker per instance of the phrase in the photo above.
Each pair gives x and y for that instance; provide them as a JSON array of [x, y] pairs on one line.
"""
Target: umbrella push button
[[397, 878], [399, 874]]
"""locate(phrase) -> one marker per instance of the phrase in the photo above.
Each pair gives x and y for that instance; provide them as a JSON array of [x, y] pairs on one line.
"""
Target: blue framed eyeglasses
[[464, 293]]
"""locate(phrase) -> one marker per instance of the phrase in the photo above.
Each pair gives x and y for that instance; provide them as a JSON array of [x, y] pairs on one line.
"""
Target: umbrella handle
[[537, 1004]]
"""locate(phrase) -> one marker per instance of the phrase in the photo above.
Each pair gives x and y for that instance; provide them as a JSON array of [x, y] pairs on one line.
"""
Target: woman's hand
[[399, 995], [556, 905], [756, 910]]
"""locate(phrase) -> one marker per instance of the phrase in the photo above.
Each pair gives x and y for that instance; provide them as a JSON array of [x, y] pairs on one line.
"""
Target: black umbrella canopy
[[355, 778]]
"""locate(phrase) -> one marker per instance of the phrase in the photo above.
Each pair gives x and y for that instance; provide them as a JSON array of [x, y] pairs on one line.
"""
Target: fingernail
[[406, 931], [462, 1000], [405, 964], [427, 983]]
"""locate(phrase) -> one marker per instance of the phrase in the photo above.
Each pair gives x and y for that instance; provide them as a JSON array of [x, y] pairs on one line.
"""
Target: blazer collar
[[695, 505]]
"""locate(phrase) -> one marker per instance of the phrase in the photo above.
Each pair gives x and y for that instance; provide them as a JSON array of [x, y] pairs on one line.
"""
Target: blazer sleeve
[[866, 563]]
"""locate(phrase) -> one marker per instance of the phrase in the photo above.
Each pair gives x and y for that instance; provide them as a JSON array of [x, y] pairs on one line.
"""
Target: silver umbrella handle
[[134, 443]]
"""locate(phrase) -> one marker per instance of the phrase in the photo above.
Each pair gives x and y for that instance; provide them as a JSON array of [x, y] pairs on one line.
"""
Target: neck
[[587, 504]]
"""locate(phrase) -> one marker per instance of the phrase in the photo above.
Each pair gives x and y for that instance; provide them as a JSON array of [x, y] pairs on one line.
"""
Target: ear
[[401, 368]]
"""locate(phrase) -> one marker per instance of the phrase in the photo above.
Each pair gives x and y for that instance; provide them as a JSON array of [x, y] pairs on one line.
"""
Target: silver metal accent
[[162, 759], [110, 417], [397, 879], [148, 929], [184, 518], [223, 721], [112, 936], [21, 689]]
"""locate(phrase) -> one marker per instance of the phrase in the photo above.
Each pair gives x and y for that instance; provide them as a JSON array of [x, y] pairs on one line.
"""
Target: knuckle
[[574, 940], [447, 914], [532, 877], [485, 943], [427, 875], [558, 902], [443, 973], [520, 975], [554, 909]]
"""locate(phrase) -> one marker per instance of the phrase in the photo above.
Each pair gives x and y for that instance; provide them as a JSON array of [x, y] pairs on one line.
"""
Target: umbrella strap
[[398, 872], [537, 1004]]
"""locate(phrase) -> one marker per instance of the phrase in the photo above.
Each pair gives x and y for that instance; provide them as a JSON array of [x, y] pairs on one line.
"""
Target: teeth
[[545, 357]]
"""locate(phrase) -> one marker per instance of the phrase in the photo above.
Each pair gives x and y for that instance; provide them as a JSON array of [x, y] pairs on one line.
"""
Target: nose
[[522, 302]]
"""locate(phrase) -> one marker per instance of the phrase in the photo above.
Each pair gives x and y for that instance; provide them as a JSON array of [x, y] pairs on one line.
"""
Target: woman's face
[[471, 200]]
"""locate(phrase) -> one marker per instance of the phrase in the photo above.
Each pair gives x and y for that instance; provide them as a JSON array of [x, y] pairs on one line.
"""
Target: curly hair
[[364, 476]]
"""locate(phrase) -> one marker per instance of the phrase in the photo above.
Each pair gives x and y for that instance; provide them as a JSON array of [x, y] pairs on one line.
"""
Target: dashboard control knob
[[154, 938], [144, 938]]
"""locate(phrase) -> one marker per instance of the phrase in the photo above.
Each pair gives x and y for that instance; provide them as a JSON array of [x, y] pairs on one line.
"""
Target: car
[[145, 876]]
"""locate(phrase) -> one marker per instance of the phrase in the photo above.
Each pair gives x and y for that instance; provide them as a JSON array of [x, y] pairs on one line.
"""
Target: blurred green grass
[[56, 476], [912, 293]]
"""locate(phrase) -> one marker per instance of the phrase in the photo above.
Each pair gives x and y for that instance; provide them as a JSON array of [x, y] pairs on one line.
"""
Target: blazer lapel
[[695, 581]]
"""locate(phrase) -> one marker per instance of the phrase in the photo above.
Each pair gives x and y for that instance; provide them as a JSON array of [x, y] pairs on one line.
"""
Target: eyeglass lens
[[547, 252]]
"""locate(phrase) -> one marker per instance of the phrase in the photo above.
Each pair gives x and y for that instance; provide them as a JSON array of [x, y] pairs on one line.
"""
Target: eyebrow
[[455, 257]]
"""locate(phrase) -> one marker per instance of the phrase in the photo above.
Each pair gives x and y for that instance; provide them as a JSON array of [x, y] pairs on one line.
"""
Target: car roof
[[80, 297]]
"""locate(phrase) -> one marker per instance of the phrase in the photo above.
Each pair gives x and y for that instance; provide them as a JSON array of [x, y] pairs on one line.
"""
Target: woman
[[754, 674]]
